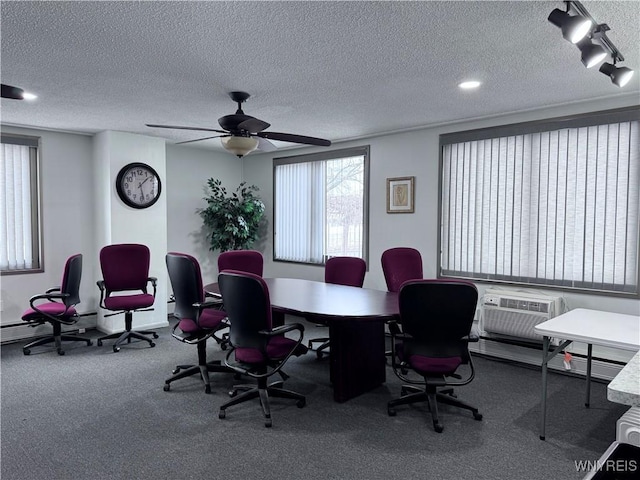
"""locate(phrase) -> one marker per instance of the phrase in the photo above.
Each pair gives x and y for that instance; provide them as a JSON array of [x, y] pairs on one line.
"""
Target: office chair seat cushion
[[277, 348], [52, 308], [210, 319], [434, 365], [129, 302]]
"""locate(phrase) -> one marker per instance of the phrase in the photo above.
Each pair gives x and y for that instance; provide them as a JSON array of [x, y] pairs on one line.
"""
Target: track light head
[[574, 28], [619, 75], [592, 54]]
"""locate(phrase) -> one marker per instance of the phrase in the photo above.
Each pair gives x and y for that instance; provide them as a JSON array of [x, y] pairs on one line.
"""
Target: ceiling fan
[[242, 134], [16, 93]]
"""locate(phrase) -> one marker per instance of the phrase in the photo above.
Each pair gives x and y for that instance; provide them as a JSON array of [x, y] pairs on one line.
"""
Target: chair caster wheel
[[116, 349], [438, 427], [477, 416], [175, 370], [207, 389], [222, 414], [26, 351], [223, 346], [391, 412], [60, 352], [155, 335], [99, 343], [233, 393], [166, 387], [319, 355], [267, 422], [89, 343], [151, 344], [301, 403]]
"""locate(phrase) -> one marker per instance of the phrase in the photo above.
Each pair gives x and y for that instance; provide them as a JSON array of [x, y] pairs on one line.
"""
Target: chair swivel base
[[57, 339], [432, 397], [183, 371], [126, 336], [262, 391]]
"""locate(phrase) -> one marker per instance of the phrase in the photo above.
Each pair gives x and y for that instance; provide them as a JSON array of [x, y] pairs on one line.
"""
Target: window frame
[[37, 240], [604, 117], [363, 150]]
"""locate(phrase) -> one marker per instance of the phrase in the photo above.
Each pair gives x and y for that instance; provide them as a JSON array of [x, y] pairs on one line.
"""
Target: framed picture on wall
[[400, 194]]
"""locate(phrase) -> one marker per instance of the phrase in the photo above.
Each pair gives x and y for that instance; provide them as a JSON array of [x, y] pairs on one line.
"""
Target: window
[[552, 203], [19, 222], [321, 206]]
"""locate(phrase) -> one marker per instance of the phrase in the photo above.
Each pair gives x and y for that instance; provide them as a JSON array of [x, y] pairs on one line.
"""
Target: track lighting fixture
[[574, 28], [619, 75], [582, 30], [592, 53]]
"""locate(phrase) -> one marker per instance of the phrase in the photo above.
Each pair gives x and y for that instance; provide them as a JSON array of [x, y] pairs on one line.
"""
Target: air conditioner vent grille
[[526, 305]]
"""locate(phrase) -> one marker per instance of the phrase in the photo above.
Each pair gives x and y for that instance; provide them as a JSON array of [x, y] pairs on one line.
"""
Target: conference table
[[593, 327], [356, 319]]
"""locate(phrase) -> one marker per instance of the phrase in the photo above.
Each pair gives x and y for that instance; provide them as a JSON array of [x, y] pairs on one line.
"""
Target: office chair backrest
[[246, 301], [250, 261], [125, 267], [186, 281], [437, 313], [71, 280], [345, 271], [399, 265]]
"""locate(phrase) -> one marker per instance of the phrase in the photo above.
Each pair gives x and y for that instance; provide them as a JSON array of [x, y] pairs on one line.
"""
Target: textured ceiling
[[336, 70]]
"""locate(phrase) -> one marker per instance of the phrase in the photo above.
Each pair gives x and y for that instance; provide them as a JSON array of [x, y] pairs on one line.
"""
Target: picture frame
[[401, 194]]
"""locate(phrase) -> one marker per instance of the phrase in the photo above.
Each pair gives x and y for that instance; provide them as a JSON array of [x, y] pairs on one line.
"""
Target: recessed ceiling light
[[470, 84], [29, 96]]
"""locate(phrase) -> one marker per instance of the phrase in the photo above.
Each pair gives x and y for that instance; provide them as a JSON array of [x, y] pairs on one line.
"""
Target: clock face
[[138, 185]]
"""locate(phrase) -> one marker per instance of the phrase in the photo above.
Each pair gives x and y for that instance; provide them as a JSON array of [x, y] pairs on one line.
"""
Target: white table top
[[625, 387], [615, 330]]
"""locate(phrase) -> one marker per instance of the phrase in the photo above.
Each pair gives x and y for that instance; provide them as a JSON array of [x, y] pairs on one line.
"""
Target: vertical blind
[[18, 229], [320, 205], [554, 207]]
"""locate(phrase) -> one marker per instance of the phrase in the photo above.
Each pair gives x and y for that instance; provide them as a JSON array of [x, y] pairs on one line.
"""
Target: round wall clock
[[138, 185]]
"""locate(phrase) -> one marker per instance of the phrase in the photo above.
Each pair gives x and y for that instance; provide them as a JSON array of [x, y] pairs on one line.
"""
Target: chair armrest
[[154, 284], [394, 327], [207, 304], [53, 289], [282, 329], [50, 297]]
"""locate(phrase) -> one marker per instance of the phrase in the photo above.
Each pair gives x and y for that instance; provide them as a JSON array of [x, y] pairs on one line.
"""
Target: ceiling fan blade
[[200, 139], [265, 145], [9, 91], [289, 137], [253, 125], [185, 128]]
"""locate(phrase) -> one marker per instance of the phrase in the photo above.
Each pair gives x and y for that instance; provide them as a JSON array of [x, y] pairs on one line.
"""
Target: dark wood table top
[[308, 298]]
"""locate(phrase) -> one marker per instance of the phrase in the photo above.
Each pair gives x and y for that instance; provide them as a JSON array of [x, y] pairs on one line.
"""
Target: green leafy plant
[[232, 220]]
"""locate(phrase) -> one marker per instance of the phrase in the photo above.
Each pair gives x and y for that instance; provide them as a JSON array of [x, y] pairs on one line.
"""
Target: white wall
[[188, 170], [67, 179]]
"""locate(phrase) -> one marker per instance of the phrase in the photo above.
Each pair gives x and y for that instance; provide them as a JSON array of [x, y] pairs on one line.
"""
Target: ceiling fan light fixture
[[574, 28], [239, 146], [620, 76], [592, 53]]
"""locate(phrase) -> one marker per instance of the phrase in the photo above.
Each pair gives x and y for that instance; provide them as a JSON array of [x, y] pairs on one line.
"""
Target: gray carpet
[[95, 414]]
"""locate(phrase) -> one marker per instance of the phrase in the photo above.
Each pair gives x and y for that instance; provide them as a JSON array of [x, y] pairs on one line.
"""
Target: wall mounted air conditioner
[[515, 313]]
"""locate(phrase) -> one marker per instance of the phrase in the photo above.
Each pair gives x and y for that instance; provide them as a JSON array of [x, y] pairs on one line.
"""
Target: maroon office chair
[[198, 319], [436, 317], [57, 307], [125, 268], [348, 271], [259, 350], [399, 265], [250, 261]]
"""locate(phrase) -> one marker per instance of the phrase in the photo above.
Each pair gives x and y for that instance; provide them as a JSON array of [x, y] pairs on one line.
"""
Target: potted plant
[[232, 220]]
